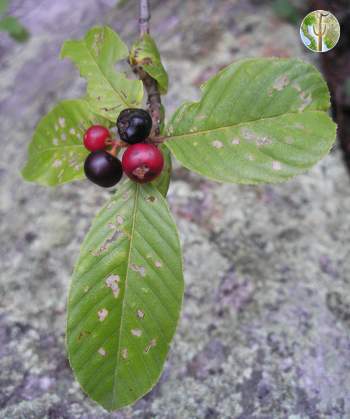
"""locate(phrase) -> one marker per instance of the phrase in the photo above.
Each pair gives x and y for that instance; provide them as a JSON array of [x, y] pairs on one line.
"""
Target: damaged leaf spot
[[217, 144], [151, 199], [276, 165], [83, 334], [114, 237], [110, 204], [263, 141], [125, 353], [280, 83], [120, 219], [102, 352], [57, 163], [136, 332], [139, 269], [158, 264], [55, 141], [296, 87], [248, 134], [102, 314], [306, 100], [63, 136], [62, 122], [112, 282], [151, 344], [146, 61], [72, 131], [235, 141], [97, 44], [140, 314]]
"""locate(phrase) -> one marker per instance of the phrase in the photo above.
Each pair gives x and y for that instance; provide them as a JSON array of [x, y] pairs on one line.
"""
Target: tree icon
[[320, 29]]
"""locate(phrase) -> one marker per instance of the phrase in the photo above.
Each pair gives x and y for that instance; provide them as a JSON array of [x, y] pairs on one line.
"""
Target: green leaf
[[56, 153], [163, 181], [4, 5], [145, 53], [109, 92], [125, 297], [259, 120], [14, 28]]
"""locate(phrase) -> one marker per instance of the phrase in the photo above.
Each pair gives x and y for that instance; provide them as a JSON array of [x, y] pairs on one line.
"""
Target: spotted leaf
[[109, 91], [56, 153], [125, 297], [259, 120]]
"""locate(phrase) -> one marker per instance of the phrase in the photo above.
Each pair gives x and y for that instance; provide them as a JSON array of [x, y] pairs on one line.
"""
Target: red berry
[[142, 162], [95, 138]]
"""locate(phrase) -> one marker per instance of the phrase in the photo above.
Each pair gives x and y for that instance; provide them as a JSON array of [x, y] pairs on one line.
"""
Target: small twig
[[151, 86], [115, 145], [145, 17]]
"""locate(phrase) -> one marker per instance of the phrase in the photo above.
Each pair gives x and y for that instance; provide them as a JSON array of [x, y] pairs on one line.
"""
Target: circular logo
[[320, 31]]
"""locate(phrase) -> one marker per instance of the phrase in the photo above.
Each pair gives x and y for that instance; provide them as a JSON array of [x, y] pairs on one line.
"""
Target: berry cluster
[[141, 162]]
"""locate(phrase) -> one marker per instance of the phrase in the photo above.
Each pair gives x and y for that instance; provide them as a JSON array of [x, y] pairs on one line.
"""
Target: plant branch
[[151, 86], [145, 17]]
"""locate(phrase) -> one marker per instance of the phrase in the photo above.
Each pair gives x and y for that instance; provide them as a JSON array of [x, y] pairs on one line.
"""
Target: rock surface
[[266, 318]]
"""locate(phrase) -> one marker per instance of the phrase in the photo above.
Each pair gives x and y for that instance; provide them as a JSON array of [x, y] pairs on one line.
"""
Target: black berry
[[134, 125], [103, 169]]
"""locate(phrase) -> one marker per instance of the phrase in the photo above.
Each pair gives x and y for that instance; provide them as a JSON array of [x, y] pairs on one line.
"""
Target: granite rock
[[264, 331]]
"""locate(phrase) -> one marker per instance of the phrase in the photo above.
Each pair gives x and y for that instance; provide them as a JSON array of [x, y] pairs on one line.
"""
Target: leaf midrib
[[133, 222], [203, 132]]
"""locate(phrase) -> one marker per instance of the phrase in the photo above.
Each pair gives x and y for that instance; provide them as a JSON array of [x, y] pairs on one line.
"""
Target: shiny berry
[[103, 169], [142, 162], [95, 138], [134, 125]]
